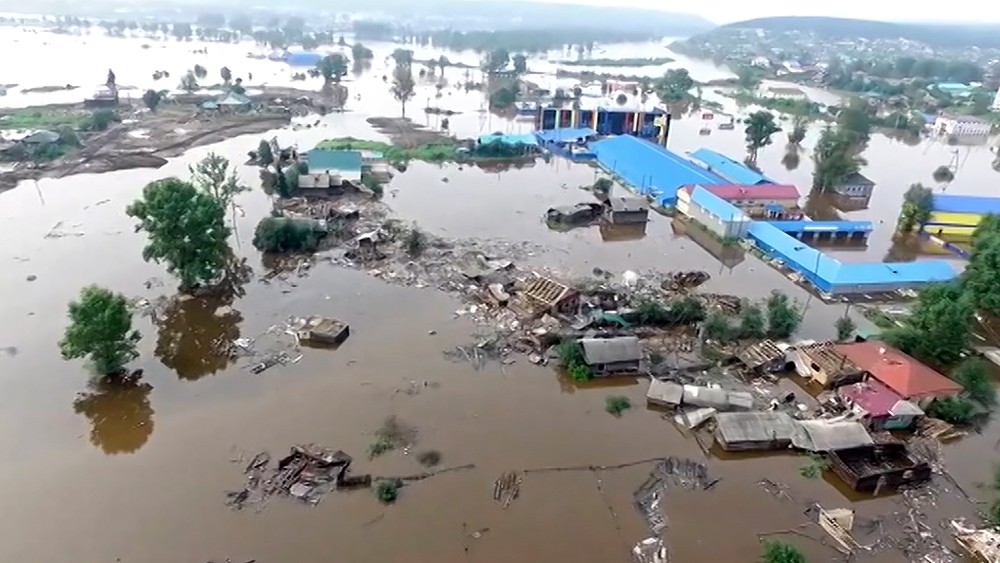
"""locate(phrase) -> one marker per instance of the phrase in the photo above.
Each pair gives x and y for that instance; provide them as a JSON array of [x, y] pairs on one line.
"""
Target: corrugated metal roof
[[649, 168], [898, 371], [828, 436], [953, 203], [610, 350], [824, 226], [324, 159], [735, 172], [717, 206], [745, 192], [523, 139]]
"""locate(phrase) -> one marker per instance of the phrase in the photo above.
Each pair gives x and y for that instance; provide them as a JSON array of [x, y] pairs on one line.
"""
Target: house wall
[[617, 367], [683, 204], [629, 217], [726, 229], [954, 127], [952, 223]]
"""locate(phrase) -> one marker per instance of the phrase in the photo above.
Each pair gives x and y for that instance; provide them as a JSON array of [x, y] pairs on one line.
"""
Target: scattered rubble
[[507, 488], [669, 472]]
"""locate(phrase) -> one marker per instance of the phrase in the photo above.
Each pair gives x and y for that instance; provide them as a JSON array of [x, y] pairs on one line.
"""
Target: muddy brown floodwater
[[139, 474]]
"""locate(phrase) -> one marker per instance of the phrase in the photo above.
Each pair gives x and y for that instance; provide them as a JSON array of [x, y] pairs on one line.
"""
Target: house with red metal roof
[[772, 201], [900, 372], [879, 407]]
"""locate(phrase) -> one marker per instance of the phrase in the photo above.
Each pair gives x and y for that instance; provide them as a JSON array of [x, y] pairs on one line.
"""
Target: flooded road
[[139, 474]]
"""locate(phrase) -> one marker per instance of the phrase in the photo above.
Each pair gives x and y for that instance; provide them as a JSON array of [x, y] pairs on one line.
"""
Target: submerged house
[[874, 468], [331, 168], [608, 356], [854, 191], [625, 210], [879, 407], [824, 364]]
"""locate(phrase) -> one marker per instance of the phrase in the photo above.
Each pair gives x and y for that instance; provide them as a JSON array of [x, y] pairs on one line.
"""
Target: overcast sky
[[725, 11]]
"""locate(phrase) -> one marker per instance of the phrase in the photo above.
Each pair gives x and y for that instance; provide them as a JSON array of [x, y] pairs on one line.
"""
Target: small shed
[[234, 102], [763, 357], [607, 356], [830, 435], [874, 467], [625, 210], [749, 431], [345, 165]]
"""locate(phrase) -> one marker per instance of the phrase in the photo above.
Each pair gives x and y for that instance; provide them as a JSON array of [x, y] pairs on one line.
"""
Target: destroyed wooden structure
[[824, 364], [323, 330], [541, 295], [774, 430], [838, 522], [873, 468], [762, 357], [670, 394], [982, 545], [609, 356]]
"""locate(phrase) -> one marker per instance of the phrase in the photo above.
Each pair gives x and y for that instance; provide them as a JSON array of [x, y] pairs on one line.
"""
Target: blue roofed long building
[[735, 172], [651, 169]]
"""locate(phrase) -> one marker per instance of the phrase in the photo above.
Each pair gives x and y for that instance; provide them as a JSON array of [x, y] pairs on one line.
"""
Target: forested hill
[[935, 35]]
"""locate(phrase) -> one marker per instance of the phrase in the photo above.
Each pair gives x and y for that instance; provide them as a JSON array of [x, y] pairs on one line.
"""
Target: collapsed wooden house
[[824, 364], [541, 295], [876, 467], [762, 357]]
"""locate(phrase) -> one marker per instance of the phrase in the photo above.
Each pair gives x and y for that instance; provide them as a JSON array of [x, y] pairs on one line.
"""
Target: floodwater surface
[[139, 474]]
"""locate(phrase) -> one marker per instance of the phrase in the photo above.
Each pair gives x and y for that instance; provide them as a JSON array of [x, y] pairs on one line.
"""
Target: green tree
[[361, 53], [200, 72], [748, 77], [835, 158], [152, 99], [332, 67], [777, 552], [752, 324], [798, 132], [674, 86], [100, 328], [265, 157], [443, 62], [760, 127], [285, 234], [497, 59], [716, 327], [917, 206], [189, 83], [938, 329], [402, 57], [214, 175], [981, 278], [520, 63], [845, 327], [100, 119], [943, 174], [783, 317], [186, 229], [226, 74], [955, 410], [989, 225], [855, 119], [403, 86], [973, 375]]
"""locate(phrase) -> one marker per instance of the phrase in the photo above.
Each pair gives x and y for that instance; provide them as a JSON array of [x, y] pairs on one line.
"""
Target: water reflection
[[792, 158], [119, 412], [195, 333]]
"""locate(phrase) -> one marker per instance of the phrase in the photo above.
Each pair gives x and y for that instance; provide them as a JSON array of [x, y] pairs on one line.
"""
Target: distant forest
[[935, 35]]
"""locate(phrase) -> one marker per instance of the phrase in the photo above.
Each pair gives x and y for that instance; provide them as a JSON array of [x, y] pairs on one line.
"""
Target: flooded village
[[584, 326]]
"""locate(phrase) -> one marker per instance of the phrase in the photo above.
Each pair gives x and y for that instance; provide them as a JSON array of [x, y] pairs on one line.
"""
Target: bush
[[783, 316], [603, 185], [972, 375], [387, 490], [777, 552], [752, 321], [416, 242], [617, 404], [845, 328], [373, 184], [100, 119], [571, 359], [716, 327], [282, 234], [955, 410]]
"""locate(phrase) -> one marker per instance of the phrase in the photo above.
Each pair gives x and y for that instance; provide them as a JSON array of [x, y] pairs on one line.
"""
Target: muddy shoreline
[[146, 139]]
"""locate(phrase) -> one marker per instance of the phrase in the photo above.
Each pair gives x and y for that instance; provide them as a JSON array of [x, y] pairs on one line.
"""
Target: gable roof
[[743, 191], [728, 168], [900, 372], [610, 350], [324, 159], [856, 179], [877, 399]]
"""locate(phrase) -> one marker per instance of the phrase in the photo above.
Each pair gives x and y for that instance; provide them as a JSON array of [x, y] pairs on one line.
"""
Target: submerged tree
[[403, 86], [981, 278], [777, 552], [186, 229], [189, 83], [214, 175], [943, 174], [520, 63], [783, 317], [752, 323], [674, 86], [845, 327], [938, 329], [972, 374], [760, 127], [152, 99], [265, 156], [100, 329], [402, 57], [798, 132], [226, 74], [917, 206], [332, 67], [835, 158]]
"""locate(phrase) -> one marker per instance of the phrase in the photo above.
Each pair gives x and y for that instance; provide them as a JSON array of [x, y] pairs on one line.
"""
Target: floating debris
[[670, 472], [507, 488]]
